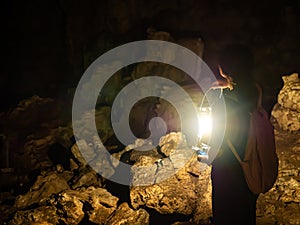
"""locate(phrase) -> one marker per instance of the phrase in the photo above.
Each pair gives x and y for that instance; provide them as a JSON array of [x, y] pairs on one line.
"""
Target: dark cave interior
[[49, 44]]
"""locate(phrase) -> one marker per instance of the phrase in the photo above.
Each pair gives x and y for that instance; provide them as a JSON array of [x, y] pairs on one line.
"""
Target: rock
[[102, 119], [104, 204], [140, 115], [43, 151], [86, 177], [97, 203], [32, 113], [176, 195], [281, 203], [7, 200], [101, 116], [171, 142], [107, 95], [82, 152], [289, 95], [73, 165], [41, 223], [36, 152], [288, 120], [69, 208], [102, 164], [158, 35], [94, 155], [196, 45], [43, 188], [127, 216], [31, 130], [290, 215], [177, 184], [287, 111], [43, 215], [290, 190], [59, 168], [184, 223]]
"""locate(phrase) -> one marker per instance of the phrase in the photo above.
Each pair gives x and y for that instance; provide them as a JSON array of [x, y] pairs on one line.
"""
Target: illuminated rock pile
[[52, 183], [281, 203], [57, 185], [287, 111]]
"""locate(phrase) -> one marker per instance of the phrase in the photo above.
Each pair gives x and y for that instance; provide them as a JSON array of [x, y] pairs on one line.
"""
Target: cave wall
[[48, 44]]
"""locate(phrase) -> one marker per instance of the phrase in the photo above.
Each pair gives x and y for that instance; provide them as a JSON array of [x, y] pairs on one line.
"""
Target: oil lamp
[[205, 128]]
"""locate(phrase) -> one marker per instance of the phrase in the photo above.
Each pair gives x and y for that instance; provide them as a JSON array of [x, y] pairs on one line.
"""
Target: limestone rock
[[289, 95], [69, 208], [102, 164], [97, 203], [124, 215], [95, 155], [86, 177], [101, 116], [180, 194], [7, 208], [177, 184], [43, 151], [32, 113], [30, 130], [172, 141], [43, 188], [287, 111], [104, 204], [43, 215], [281, 203], [288, 120], [83, 152]]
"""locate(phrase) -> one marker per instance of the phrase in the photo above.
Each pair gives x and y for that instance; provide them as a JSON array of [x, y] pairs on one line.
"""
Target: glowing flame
[[205, 123]]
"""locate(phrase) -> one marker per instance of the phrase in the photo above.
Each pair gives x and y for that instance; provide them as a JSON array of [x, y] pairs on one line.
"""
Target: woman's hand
[[227, 82]]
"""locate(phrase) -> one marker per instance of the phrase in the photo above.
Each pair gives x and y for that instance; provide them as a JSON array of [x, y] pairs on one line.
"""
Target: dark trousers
[[233, 202]]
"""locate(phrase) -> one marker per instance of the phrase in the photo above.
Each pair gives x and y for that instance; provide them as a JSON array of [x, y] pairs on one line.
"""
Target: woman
[[233, 202]]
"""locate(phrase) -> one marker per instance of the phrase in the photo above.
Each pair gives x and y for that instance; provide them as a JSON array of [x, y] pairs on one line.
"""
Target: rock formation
[[287, 111]]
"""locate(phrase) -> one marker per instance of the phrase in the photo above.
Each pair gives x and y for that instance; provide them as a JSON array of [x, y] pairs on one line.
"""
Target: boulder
[[100, 116], [69, 207], [97, 204], [43, 215], [86, 177], [281, 203], [287, 111], [177, 184], [45, 185], [125, 215]]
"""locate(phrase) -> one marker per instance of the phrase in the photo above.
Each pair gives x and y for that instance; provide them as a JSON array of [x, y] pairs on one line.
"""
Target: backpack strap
[[232, 148], [258, 107], [259, 100]]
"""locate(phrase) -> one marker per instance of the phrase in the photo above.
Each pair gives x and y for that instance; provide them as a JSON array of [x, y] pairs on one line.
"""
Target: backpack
[[260, 163]]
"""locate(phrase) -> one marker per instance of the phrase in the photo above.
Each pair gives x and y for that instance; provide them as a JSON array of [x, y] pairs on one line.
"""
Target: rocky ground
[[68, 191], [281, 205]]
